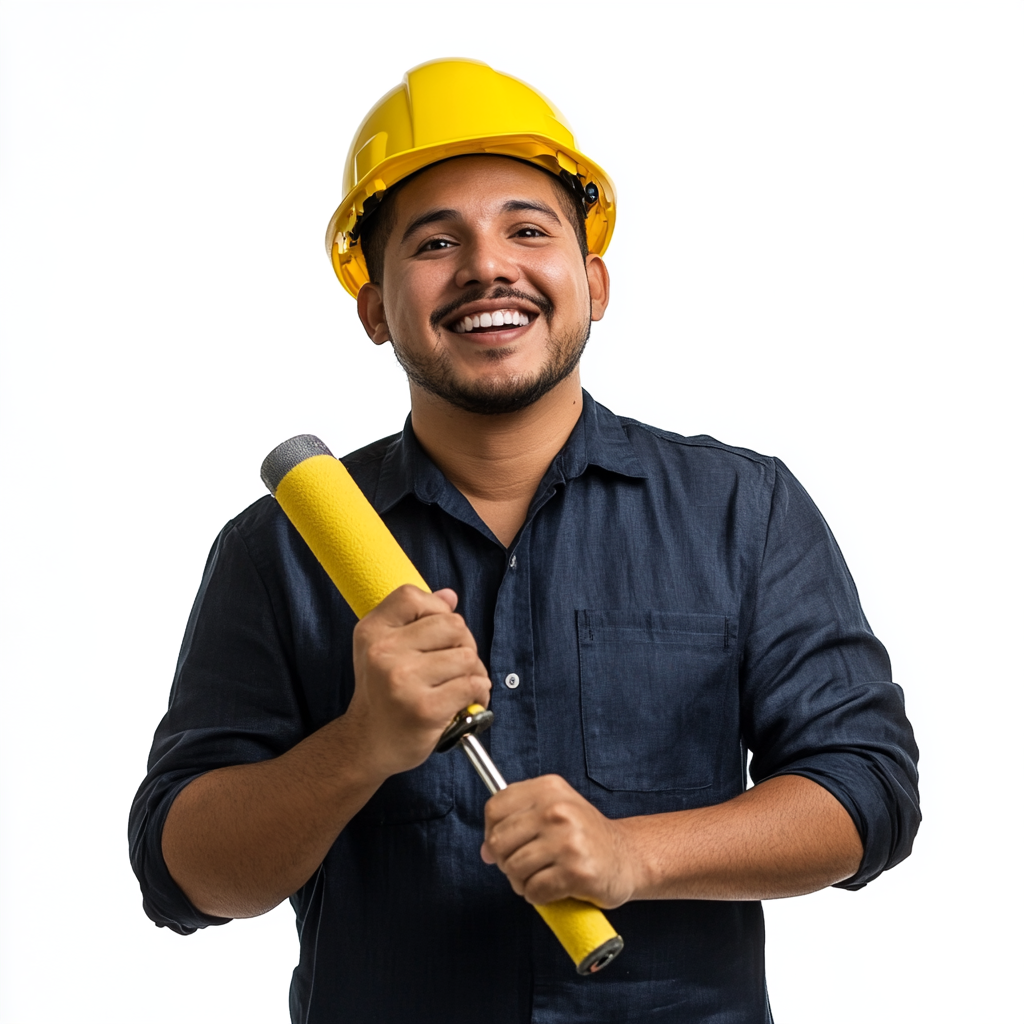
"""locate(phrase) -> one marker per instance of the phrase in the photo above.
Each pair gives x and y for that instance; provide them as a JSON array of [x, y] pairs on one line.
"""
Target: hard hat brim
[[545, 153]]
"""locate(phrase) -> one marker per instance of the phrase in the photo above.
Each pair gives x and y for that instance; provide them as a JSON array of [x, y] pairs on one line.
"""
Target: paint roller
[[366, 563]]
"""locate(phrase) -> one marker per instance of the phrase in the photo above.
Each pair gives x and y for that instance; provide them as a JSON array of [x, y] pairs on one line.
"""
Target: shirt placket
[[513, 738]]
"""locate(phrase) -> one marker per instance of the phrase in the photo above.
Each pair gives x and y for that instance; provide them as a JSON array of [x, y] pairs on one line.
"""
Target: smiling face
[[485, 294]]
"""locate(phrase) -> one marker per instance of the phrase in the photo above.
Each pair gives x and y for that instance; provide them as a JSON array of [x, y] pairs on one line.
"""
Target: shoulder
[[372, 455], [715, 474], [698, 455]]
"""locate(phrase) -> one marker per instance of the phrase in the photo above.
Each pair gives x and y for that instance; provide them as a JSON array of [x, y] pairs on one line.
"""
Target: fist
[[553, 843], [416, 666]]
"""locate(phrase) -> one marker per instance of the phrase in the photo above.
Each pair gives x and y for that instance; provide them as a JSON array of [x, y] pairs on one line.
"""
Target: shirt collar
[[597, 440]]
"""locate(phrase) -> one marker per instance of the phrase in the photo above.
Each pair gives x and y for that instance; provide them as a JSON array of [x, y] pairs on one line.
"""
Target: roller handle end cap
[[600, 957], [287, 455]]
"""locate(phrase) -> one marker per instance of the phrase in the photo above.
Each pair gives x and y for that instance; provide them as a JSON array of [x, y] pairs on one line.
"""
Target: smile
[[495, 320]]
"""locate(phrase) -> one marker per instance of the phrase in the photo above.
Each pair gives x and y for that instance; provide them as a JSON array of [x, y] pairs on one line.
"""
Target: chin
[[495, 397], [500, 392]]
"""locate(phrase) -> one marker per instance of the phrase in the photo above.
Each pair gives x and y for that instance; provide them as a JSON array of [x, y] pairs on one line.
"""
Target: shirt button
[[512, 562], [511, 680]]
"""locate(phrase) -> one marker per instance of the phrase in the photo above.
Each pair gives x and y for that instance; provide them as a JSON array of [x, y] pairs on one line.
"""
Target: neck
[[497, 462]]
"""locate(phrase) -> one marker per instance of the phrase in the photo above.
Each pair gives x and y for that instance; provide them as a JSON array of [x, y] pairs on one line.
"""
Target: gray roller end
[[287, 455]]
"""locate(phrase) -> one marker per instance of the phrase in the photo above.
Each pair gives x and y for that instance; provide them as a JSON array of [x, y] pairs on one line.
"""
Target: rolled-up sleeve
[[233, 702], [817, 695]]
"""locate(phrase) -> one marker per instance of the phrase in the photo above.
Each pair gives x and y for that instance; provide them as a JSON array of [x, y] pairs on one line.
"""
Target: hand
[[416, 666], [553, 843]]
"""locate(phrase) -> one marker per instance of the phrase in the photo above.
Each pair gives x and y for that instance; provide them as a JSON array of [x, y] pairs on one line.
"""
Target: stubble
[[498, 393]]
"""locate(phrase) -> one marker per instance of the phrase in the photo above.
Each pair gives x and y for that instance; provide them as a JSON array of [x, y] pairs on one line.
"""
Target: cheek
[[409, 298], [565, 283]]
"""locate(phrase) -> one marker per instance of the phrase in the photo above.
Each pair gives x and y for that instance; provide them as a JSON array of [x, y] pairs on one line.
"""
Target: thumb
[[448, 596]]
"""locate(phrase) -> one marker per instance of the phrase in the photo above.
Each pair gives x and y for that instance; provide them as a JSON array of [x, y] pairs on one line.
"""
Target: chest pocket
[[658, 692]]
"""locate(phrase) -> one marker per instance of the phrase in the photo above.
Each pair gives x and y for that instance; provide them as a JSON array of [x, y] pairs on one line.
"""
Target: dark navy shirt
[[669, 604]]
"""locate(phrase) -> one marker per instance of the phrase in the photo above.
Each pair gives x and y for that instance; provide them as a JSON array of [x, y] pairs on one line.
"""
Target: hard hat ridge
[[458, 107]]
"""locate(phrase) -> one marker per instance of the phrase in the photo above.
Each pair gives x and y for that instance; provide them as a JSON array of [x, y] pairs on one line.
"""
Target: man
[[639, 610]]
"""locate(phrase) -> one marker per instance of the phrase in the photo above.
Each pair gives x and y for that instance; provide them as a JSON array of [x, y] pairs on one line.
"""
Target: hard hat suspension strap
[[586, 195]]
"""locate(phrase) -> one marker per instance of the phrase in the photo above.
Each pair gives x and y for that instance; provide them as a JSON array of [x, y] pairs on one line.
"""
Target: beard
[[498, 394]]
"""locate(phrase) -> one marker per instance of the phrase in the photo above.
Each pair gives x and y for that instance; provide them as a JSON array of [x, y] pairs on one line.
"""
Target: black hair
[[375, 228]]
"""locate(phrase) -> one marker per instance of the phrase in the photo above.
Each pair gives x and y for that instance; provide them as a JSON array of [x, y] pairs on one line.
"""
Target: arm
[[785, 837], [240, 839], [834, 759]]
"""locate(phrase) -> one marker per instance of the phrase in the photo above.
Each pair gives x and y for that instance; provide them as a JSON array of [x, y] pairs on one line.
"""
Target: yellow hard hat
[[447, 108]]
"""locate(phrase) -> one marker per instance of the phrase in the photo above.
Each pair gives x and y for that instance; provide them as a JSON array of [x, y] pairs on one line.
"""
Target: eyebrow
[[430, 217], [512, 206], [517, 205]]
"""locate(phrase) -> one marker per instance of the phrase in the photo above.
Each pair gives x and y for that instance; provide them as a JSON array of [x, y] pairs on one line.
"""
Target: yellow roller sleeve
[[341, 527], [366, 563]]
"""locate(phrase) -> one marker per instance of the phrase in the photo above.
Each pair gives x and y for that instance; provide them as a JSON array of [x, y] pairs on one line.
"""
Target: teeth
[[497, 318]]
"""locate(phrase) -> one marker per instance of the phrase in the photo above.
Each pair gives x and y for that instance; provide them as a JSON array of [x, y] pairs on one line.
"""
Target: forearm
[[785, 837], [239, 840]]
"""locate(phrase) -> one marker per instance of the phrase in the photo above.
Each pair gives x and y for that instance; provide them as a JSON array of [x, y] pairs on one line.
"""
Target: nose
[[486, 260]]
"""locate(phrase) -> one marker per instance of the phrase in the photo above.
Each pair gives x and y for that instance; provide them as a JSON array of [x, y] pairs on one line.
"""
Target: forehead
[[482, 182]]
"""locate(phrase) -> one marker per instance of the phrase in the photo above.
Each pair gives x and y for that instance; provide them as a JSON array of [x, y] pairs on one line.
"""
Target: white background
[[818, 256]]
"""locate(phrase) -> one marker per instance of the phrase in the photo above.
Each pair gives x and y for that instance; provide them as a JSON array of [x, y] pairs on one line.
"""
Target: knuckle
[[401, 674], [409, 602], [540, 891], [375, 649], [458, 626], [558, 812]]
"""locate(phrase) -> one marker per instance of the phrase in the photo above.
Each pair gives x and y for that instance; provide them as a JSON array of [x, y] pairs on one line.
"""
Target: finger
[[433, 668], [547, 885], [512, 833], [461, 692], [531, 794], [538, 857], [407, 604], [519, 796], [436, 707], [529, 862], [449, 595], [435, 632], [429, 709], [435, 712]]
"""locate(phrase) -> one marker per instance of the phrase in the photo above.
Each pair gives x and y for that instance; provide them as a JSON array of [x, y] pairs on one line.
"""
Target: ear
[[597, 278], [370, 304]]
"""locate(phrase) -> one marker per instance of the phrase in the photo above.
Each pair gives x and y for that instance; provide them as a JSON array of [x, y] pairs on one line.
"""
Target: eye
[[436, 245], [531, 231]]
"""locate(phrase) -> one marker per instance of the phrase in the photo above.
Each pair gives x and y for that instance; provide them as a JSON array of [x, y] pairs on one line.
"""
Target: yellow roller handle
[[586, 934], [366, 563]]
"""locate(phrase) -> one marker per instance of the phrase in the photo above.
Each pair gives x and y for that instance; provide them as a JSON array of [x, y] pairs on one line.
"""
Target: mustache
[[438, 317]]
